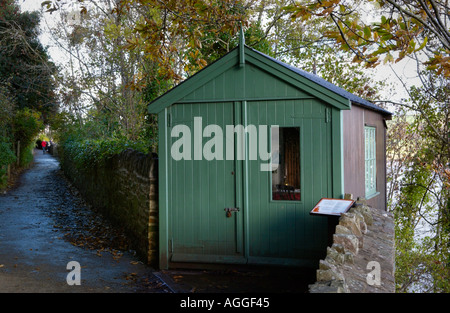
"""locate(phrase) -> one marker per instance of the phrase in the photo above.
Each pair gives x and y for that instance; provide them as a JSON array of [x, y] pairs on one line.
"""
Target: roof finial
[[241, 46]]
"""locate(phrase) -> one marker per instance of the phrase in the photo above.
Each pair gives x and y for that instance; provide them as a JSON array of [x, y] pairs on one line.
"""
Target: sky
[[30, 5], [406, 68], [35, 5]]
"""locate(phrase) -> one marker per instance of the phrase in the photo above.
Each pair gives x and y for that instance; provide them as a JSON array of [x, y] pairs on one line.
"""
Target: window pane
[[286, 163], [370, 160]]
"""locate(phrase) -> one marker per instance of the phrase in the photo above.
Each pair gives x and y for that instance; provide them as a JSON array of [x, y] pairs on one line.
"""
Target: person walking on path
[[44, 144]]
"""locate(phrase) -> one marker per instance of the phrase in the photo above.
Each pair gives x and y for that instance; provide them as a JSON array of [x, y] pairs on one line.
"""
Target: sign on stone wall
[[333, 207]]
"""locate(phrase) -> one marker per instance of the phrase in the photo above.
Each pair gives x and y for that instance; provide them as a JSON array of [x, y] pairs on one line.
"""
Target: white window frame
[[370, 161]]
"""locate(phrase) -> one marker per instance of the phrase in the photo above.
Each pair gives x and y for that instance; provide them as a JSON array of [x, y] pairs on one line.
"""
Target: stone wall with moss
[[362, 256], [125, 189]]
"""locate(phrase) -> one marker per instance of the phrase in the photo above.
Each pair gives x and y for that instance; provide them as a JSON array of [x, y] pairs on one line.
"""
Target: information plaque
[[333, 207]]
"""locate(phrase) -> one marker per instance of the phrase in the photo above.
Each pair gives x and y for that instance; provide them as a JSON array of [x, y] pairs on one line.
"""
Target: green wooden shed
[[247, 147]]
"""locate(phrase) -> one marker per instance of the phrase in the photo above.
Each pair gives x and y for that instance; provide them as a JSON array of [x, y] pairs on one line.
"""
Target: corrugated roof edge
[[322, 82]]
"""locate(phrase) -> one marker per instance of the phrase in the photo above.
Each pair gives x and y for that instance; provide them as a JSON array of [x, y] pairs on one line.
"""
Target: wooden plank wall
[[353, 129]]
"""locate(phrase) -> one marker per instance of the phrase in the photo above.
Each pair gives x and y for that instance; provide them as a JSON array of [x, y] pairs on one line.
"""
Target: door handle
[[230, 210]]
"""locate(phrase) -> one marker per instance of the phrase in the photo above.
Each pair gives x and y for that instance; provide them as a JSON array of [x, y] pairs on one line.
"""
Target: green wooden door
[[273, 224], [201, 188], [280, 229]]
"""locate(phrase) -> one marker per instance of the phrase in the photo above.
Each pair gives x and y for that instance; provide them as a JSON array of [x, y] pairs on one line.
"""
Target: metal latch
[[229, 210]]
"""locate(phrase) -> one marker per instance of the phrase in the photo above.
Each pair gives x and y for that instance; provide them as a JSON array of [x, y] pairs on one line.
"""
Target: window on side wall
[[370, 161]]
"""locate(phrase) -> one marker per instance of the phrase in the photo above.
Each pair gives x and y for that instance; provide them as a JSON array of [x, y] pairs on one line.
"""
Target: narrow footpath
[[44, 225]]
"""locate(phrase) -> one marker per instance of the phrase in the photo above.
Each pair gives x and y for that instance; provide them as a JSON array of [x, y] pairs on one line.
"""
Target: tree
[[173, 34], [26, 84], [7, 155], [97, 83], [304, 45], [408, 27], [126, 53], [417, 30], [24, 64]]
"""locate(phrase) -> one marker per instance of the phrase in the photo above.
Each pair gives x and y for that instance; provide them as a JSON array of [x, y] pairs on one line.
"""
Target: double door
[[239, 206]]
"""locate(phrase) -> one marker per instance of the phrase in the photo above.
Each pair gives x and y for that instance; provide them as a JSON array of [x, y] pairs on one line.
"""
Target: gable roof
[[338, 90], [338, 96]]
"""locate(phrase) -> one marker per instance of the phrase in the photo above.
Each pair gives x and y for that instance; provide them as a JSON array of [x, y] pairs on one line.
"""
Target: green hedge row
[[88, 153], [7, 157]]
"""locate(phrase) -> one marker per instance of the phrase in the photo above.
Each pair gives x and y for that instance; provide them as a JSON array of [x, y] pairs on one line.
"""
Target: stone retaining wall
[[124, 189], [361, 258]]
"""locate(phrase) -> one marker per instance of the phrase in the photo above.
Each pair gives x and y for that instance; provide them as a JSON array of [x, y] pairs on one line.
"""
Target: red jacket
[[43, 144]]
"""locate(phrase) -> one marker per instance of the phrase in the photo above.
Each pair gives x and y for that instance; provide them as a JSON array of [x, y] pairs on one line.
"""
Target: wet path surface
[[44, 225]]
